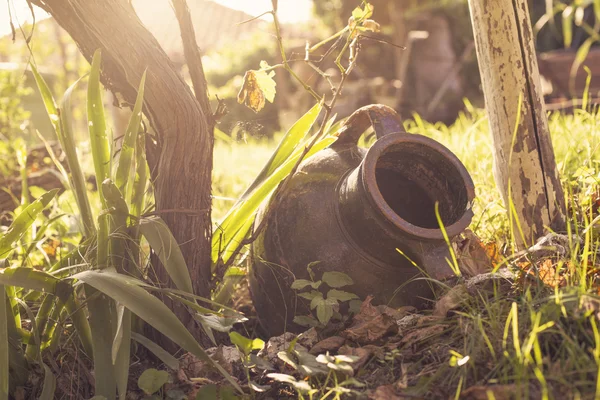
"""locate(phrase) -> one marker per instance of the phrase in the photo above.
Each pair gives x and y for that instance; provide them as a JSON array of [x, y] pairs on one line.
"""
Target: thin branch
[[354, 49], [191, 51]]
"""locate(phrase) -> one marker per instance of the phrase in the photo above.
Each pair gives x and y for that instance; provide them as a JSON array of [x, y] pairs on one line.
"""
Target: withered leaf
[[258, 86]]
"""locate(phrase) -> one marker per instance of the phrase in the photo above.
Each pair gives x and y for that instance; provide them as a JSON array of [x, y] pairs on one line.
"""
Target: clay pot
[[350, 210]]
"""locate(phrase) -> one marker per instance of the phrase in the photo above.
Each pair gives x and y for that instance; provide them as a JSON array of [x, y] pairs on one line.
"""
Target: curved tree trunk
[[181, 164]]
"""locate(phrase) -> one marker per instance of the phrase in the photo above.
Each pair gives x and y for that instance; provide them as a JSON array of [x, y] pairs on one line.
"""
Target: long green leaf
[[292, 138], [238, 216], [158, 351], [33, 348], [141, 177], [31, 279], [286, 147], [118, 222], [121, 350], [101, 311], [49, 386], [3, 346], [24, 221], [166, 247], [99, 141], [69, 146], [129, 141], [81, 324], [151, 310]]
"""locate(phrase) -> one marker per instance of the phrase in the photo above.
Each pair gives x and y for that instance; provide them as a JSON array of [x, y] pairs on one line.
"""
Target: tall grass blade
[[167, 249], [3, 346], [129, 141], [151, 310], [580, 56], [23, 222], [99, 140], [567, 25], [21, 156]]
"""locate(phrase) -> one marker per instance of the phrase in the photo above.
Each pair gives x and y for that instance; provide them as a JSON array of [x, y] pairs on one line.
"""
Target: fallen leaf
[[227, 356], [422, 334], [386, 392], [450, 300], [276, 345], [330, 344], [363, 353], [370, 324], [474, 257], [309, 338], [498, 392]]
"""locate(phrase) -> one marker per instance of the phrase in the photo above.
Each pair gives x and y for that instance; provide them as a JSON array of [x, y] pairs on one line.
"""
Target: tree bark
[[182, 164], [524, 166]]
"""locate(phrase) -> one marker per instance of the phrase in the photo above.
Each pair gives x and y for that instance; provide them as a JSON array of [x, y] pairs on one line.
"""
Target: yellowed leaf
[[258, 86]]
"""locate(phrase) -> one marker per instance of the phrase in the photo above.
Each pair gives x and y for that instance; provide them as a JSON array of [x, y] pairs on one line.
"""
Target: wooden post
[[524, 165]]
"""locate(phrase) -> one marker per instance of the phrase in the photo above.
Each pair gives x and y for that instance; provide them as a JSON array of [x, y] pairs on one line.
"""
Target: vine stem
[[354, 47]]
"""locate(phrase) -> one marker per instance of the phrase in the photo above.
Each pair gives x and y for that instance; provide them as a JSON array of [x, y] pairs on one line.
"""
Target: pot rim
[[368, 168]]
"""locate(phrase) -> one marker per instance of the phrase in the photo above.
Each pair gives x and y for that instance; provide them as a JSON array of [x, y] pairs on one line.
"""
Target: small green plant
[[12, 114], [321, 376], [151, 381], [325, 307], [246, 346]]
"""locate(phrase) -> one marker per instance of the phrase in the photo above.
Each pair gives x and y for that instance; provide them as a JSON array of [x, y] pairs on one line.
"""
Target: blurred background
[[432, 76]]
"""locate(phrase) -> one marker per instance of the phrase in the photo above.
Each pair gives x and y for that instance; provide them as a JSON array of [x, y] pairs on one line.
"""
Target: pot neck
[[388, 201]]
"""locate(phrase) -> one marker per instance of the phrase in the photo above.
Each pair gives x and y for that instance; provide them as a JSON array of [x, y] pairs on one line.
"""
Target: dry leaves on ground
[[371, 324]]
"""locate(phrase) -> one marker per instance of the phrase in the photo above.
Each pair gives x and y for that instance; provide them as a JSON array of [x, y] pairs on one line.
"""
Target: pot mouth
[[405, 175]]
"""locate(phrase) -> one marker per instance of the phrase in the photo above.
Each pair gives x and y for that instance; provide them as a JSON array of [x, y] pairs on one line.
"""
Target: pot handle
[[383, 119]]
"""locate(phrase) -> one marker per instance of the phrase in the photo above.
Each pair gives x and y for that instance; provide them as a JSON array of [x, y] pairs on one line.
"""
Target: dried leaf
[[386, 392], [329, 344], [450, 300], [498, 392], [422, 334], [258, 86], [363, 354], [474, 257], [370, 324]]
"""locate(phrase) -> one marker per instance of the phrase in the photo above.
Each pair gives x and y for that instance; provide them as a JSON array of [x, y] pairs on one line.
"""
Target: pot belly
[[306, 230]]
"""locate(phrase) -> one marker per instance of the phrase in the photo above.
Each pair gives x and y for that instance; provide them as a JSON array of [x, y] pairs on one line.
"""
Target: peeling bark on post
[[525, 170], [182, 168]]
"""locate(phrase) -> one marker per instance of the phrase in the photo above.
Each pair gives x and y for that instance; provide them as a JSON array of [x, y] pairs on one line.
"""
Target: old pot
[[349, 209]]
